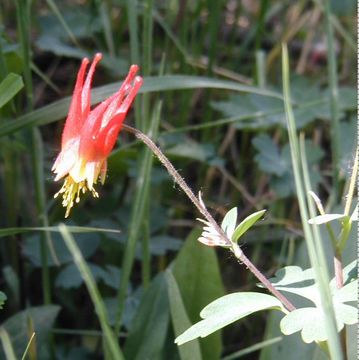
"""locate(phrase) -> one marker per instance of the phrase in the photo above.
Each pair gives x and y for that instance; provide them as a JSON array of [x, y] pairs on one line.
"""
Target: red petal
[[109, 132], [73, 123], [100, 130], [86, 91]]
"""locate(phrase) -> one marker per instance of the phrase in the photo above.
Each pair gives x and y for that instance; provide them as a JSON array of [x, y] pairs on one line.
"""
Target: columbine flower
[[90, 135]]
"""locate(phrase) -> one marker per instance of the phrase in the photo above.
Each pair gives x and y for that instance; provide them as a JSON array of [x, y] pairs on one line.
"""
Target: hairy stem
[[202, 209]]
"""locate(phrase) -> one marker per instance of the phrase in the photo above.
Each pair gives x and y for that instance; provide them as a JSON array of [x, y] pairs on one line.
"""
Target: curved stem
[[202, 209]]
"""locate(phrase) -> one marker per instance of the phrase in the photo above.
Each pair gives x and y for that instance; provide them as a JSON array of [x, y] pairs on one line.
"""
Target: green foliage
[[269, 159], [180, 320], [3, 298], [234, 232], [149, 328], [229, 222], [9, 87], [88, 244], [277, 162], [42, 318], [324, 219], [198, 277], [199, 62], [70, 277], [226, 310], [246, 224], [309, 320]]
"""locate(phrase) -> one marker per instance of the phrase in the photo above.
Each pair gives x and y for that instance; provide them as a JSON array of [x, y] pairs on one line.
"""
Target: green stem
[[312, 236], [146, 254], [334, 104], [137, 219], [353, 180], [23, 19], [147, 38], [135, 228], [134, 48]]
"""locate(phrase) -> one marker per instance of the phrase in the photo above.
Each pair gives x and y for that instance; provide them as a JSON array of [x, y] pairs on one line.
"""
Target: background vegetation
[[212, 99]]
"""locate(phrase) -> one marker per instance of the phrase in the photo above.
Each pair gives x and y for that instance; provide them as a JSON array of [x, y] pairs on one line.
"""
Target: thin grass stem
[[137, 220], [334, 101], [312, 238]]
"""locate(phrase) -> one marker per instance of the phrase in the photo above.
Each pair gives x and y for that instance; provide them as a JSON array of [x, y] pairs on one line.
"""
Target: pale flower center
[[71, 191]]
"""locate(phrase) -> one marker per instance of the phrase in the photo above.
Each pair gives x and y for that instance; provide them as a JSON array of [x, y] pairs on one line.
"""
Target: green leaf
[[131, 306], [310, 321], [347, 99], [9, 87], [246, 224], [7, 345], [113, 346], [191, 150], [72, 229], [229, 222], [42, 317], [350, 273], [180, 320], [301, 282], [88, 244], [277, 162], [354, 216], [227, 310], [292, 347], [197, 273], [323, 219], [290, 275], [347, 293], [268, 158], [294, 280], [148, 331], [70, 277], [3, 298], [257, 111], [348, 143]]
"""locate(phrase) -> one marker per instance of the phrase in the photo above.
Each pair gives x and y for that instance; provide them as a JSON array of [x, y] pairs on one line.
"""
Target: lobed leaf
[[226, 310], [310, 321]]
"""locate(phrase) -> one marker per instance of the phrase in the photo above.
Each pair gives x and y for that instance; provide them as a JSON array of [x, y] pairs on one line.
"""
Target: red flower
[[90, 135]]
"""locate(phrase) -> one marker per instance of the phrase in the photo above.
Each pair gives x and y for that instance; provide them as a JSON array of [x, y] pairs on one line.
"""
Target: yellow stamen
[[71, 191]]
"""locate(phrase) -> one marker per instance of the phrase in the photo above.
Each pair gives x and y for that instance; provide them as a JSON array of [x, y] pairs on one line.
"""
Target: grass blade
[[72, 229], [99, 305], [334, 102], [58, 110], [9, 87], [137, 217], [7, 345]]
